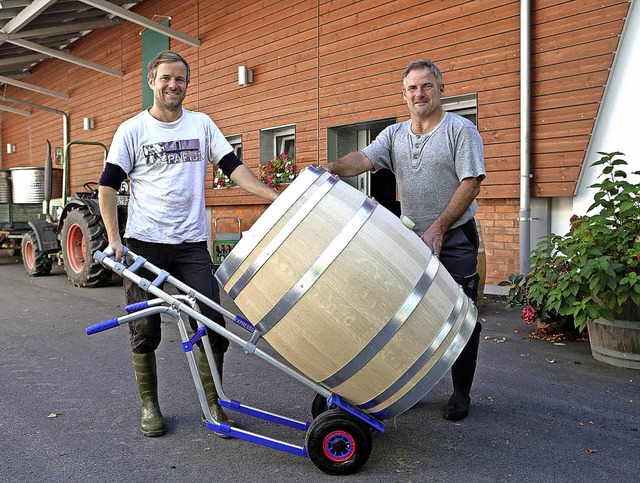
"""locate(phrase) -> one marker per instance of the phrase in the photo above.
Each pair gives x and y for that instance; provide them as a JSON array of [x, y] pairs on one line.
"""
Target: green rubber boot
[[152, 423], [210, 389]]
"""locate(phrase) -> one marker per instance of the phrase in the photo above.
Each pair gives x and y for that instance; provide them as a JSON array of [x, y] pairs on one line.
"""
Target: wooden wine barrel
[[349, 296]]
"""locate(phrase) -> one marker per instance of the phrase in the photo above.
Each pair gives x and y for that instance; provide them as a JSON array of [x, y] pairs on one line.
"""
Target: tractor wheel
[[35, 261], [338, 443], [82, 234]]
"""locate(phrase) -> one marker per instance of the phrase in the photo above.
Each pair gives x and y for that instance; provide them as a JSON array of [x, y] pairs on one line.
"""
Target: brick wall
[[500, 231], [248, 215]]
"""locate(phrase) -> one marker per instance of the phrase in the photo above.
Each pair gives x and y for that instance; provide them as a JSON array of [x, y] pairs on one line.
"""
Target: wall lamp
[[245, 76], [87, 124], [11, 148]]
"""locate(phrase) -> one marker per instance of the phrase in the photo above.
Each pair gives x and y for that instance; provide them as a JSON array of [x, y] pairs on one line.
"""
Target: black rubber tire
[[338, 443], [35, 261], [318, 406], [82, 234]]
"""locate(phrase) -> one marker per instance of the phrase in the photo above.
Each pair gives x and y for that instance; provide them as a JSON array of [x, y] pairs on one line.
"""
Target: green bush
[[592, 271]]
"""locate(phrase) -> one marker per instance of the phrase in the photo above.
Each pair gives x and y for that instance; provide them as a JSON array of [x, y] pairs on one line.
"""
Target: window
[[465, 106], [276, 141], [236, 144], [354, 137], [286, 143]]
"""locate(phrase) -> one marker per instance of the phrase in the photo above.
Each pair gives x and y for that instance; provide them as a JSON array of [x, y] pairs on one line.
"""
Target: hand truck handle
[[102, 326], [108, 252]]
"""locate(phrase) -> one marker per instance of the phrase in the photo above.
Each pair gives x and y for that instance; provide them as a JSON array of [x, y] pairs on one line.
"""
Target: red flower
[[529, 315], [280, 169]]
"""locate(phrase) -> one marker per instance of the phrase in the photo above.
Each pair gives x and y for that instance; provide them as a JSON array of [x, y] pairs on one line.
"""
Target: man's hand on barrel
[[433, 238]]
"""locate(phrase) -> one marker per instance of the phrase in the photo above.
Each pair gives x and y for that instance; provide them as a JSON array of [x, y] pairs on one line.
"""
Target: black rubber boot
[[210, 390], [462, 373], [152, 423]]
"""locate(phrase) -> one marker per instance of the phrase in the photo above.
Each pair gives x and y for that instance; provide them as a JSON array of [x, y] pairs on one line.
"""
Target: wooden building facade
[[322, 67]]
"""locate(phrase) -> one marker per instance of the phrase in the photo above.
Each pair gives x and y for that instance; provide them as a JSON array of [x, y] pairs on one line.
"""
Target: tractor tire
[[35, 261], [82, 234]]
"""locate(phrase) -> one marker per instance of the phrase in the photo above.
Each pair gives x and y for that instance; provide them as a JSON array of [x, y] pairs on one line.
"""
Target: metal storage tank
[[5, 187], [28, 184]]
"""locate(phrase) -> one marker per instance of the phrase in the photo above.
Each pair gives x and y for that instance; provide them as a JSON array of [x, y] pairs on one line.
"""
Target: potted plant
[[279, 170], [591, 274]]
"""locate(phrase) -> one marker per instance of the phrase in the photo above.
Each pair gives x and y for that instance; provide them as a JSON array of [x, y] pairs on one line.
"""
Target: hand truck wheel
[[338, 443], [319, 405]]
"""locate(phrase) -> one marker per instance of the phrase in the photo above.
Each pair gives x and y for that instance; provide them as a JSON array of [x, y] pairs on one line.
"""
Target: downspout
[[525, 134], [65, 143]]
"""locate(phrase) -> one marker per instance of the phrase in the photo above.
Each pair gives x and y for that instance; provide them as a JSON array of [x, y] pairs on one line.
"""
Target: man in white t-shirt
[[438, 160], [165, 151]]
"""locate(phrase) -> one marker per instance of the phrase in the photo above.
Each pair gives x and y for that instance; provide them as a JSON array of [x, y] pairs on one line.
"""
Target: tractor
[[70, 230]]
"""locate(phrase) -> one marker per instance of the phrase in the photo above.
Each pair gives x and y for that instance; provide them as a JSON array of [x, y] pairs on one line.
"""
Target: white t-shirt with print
[[167, 165]]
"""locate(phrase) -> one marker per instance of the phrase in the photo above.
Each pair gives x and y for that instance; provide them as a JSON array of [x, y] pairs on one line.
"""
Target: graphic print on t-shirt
[[172, 152]]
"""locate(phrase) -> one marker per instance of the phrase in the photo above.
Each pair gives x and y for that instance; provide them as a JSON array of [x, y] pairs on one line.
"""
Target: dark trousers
[[459, 255], [191, 264]]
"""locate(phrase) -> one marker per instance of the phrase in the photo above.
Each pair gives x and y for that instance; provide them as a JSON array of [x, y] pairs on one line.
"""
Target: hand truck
[[339, 438]]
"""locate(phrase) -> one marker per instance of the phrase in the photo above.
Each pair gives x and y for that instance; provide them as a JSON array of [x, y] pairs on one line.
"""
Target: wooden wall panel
[[305, 71], [479, 52], [325, 63], [573, 46]]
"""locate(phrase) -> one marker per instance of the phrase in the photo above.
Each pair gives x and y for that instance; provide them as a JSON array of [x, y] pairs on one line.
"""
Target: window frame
[[465, 105], [273, 142], [236, 143]]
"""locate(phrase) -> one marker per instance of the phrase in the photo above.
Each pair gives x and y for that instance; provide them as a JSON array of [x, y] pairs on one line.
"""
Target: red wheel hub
[[76, 248], [29, 255], [339, 446]]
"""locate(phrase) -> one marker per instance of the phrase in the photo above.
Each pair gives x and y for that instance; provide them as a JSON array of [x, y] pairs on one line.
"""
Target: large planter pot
[[618, 342]]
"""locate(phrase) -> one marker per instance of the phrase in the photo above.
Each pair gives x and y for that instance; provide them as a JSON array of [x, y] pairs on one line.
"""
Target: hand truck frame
[[339, 438]]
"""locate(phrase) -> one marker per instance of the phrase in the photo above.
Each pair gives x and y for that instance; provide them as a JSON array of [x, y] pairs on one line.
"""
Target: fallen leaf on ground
[[590, 451], [497, 341], [551, 361]]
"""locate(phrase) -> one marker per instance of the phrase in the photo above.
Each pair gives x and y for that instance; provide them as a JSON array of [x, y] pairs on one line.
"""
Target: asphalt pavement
[[69, 409]]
